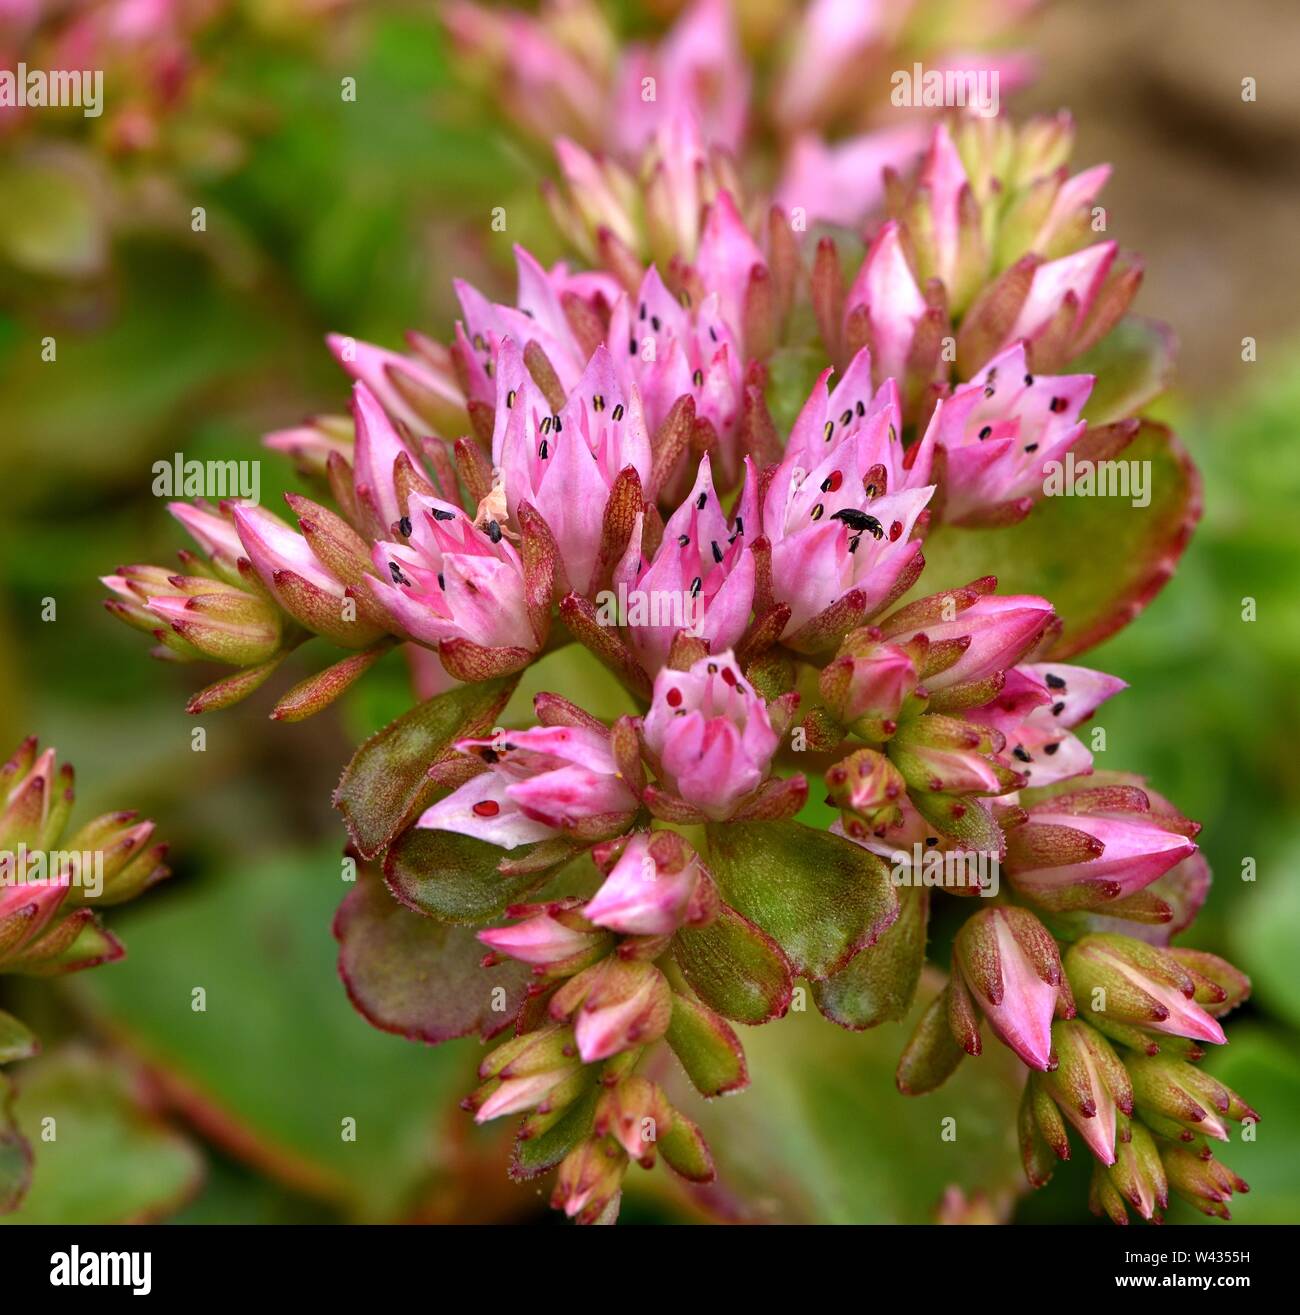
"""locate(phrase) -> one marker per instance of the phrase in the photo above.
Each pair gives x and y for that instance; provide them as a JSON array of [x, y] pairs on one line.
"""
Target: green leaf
[[1099, 560], [540, 1154], [1133, 365], [387, 781], [15, 1153], [453, 877], [819, 896], [111, 1161], [824, 1136], [409, 974], [17, 1040], [1266, 933], [1261, 1065], [708, 1049], [735, 968], [879, 983], [52, 220], [276, 1058]]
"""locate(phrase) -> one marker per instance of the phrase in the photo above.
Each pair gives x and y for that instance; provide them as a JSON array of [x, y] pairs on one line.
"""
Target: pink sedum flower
[[994, 632], [1000, 432], [1035, 710], [1108, 844], [667, 351], [711, 734], [832, 526], [397, 380], [280, 554], [698, 66], [1142, 985], [656, 886], [539, 783], [452, 580], [886, 290], [730, 264], [701, 580], [564, 464], [1066, 286], [543, 940], [617, 1004], [538, 316]]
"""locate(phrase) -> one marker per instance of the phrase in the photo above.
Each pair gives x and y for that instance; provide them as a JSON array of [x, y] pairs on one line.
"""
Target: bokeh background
[[324, 215]]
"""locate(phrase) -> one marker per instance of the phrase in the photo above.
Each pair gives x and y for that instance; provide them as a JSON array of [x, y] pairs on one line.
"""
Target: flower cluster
[[599, 463], [50, 885]]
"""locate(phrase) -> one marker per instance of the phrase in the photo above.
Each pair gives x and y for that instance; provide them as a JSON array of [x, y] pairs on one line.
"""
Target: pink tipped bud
[[1015, 989], [657, 885], [711, 733], [1119, 980]]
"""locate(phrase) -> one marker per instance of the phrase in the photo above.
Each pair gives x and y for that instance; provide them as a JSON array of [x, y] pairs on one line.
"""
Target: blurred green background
[[324, 215]]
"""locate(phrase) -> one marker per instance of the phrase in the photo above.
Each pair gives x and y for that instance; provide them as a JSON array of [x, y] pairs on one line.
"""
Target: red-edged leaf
[[735, 968], [455, 878], [819, 896], [387, 781], [707, 1047], [419, 978]]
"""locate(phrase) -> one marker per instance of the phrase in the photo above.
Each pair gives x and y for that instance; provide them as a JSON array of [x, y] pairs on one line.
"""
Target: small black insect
[[859, 520]]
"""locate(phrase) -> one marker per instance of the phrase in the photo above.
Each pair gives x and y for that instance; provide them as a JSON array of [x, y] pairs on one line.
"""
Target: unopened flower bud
[[635, 1112], [657, 885], [618, 1004], [1207, 1184], [868, 785], [1181, 1102], [555, 939], [1124, 984], [590, 1181], [1011, 965]]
